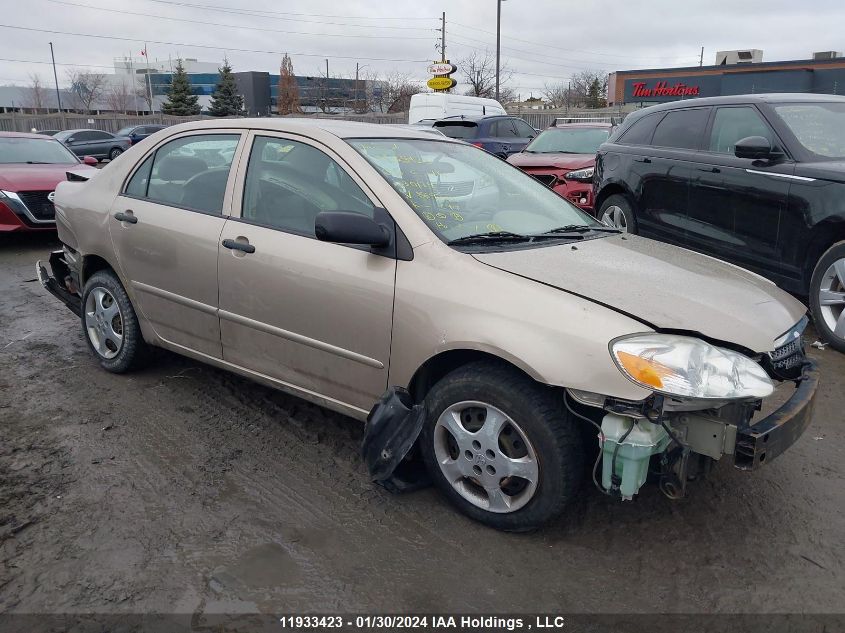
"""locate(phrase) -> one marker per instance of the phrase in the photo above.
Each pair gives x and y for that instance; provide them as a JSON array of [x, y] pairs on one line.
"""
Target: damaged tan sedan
[[481, 321]]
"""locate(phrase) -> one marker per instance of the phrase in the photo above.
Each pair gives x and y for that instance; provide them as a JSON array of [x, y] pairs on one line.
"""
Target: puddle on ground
[[267, 566]]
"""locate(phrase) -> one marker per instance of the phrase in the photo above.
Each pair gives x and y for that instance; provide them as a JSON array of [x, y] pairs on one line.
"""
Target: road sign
[[441, 83], [442, 68]]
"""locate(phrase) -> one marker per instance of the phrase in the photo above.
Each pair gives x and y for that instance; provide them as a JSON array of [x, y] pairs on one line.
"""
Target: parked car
[[137, 133], [563, 158], [31, 165], [499, 135], [757, 180], [96, 143], [320, 260]]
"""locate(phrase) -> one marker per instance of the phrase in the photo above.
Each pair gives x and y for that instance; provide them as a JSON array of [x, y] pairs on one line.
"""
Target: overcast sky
[[543, 41]]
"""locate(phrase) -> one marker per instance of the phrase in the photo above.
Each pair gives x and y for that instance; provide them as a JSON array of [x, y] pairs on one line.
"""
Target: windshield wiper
[[491, 236], [581, 228]]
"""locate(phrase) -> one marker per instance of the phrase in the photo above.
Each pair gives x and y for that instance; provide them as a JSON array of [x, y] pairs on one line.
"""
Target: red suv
[[31, 165], [563, 157]]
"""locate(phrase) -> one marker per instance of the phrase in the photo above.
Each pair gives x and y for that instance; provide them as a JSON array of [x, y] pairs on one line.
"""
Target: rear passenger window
[[641, 131], [503, 128], [288, 183], [681, 128], [734, 124], [190, 172]]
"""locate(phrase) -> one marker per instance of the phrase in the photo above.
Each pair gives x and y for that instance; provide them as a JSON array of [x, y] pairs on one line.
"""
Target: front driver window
[[734, 124], [288, 183], [190, 172]]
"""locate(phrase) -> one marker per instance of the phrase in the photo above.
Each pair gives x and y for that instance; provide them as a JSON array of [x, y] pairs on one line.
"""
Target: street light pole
[[56, 78], [498, 42]]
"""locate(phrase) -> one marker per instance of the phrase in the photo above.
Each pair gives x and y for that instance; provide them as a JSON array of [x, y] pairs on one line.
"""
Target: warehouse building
[[735, 72]]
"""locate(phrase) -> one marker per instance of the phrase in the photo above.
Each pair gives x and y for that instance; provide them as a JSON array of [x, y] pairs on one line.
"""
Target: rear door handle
[[234, 245], [126, 217], [643, 160], [710, 170]]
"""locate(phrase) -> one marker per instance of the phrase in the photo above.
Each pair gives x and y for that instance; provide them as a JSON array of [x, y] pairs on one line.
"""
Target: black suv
[[758, 180]]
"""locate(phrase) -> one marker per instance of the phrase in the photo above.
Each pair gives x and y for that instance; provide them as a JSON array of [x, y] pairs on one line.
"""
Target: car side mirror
[[346, 227], [70, 140], [89, 160], [753, 147]]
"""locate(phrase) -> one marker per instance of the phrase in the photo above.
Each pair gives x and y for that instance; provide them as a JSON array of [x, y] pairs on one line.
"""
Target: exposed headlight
[[689, 367], [584, 175]]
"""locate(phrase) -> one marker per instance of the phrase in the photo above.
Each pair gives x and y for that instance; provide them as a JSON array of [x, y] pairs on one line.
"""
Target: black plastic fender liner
[[393, 426]]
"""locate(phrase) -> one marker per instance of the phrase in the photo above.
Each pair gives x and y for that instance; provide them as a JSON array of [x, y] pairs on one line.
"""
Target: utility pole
[[326, 94], [443, 38], [56, 78], [149, 80], [701, 58], [498, 42]]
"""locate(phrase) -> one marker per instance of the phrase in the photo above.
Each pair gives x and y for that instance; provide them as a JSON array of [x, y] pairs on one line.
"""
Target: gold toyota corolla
[[481, 322]]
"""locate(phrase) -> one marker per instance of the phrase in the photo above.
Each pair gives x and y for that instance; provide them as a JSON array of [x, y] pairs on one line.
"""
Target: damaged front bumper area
[[64, 281], [664, 437]]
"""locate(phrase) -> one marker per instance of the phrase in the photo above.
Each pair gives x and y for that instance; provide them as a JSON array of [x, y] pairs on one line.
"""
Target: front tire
[[618, 212], [827, 296], [110, 325], [501, 447]]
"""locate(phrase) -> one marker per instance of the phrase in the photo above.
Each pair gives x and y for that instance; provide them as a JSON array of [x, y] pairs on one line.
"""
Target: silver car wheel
[[614, 217], [486, 456], [832, 298], [104, 323]]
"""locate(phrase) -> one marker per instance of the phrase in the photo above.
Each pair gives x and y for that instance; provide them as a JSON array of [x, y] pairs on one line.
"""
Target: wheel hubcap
[[832, 298], [104, 323], [486, 456], [614, 217]]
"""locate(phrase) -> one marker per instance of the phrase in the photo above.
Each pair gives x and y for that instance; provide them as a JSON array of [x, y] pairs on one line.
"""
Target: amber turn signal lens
[[643, 370]]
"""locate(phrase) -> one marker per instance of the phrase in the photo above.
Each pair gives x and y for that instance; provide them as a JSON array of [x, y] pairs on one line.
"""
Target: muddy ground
[[184, 489]]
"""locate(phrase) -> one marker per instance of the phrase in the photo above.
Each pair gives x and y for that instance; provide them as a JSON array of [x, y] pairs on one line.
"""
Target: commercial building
[[735, 72]]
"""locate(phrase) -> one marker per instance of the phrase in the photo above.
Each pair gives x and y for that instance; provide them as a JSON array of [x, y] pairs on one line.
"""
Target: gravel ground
[[184, 489]]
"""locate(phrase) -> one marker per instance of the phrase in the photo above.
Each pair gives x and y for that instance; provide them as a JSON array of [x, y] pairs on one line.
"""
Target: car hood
[[36, 177], [559, 161], [824, 170], [667, 287]]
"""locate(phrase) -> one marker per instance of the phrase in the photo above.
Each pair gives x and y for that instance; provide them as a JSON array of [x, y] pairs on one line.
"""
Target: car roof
[[23, 135], [597, 124], [769, 97], [340, 129], [476, 118], [84, 129]]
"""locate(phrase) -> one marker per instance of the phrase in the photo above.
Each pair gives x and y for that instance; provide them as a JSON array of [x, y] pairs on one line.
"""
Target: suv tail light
[[477, 144]]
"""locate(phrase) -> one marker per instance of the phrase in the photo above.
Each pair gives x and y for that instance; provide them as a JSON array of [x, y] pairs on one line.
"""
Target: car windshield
[[461, 191], [568, 141], [34, 150], [458, 129], [819, 127], [125, 131]]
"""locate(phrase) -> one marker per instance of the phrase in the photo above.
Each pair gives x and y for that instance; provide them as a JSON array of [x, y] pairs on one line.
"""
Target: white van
[[438, 105]]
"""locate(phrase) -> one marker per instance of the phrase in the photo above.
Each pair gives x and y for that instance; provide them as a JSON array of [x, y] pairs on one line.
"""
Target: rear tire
[[487, 425], [110, 325], [827, 296], [114, 153], [618, 212]]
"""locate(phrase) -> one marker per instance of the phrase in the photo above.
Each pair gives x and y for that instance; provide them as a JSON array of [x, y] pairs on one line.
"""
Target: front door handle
[[234, 245], [126, 217], [642, 160], [710, 170]]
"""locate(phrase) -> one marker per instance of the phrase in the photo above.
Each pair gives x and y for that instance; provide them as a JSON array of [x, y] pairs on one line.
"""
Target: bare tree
[[142, 90], [287, 99], [393, 93], [85, 88], [119, 97], [587, 88], [35, 93], [479, 71], [558, 95]]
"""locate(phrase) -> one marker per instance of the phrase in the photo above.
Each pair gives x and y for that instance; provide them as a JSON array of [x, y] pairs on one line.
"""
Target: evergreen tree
[[287, 97], [181, 101], [595, 95], [225, 100]]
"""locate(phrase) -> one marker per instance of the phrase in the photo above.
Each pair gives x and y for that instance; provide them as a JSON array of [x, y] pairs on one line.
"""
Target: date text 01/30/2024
[[429, 622]]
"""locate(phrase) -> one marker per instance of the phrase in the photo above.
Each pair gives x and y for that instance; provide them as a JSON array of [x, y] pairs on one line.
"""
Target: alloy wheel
[[614, 217], [104, 323], [832, 298], [486, 456]]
